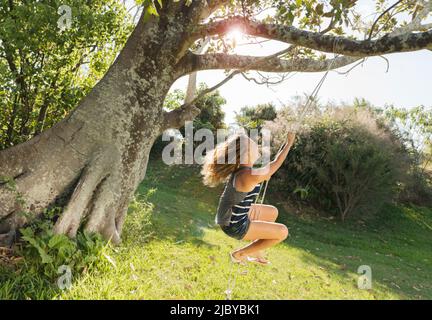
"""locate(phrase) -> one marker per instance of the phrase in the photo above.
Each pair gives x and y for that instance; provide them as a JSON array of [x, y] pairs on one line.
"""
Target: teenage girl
[[238, 215]]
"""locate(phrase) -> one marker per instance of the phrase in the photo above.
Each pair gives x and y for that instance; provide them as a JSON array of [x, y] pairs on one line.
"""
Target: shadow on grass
[[183, 207], [395, 247], [396, 243]]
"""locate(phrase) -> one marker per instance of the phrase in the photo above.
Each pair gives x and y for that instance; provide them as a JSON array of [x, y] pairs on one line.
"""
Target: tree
[[414, 127], [45, 73], [92, 161], [254, 117], [211, 115]]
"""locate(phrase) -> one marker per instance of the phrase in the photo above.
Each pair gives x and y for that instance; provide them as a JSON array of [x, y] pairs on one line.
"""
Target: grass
[[173, 250]]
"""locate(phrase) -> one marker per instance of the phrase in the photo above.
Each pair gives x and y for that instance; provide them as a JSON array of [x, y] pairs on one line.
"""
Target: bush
[[413, 126], [343, 162], [43, 260], [46, 251], [417, 190]]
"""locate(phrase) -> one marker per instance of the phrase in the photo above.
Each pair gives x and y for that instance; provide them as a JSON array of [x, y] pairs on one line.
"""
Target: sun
[[235, 35]]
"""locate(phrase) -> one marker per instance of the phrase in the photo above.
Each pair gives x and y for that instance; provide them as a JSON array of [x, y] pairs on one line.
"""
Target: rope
[[267, 181], [303, 113], [231, 282]]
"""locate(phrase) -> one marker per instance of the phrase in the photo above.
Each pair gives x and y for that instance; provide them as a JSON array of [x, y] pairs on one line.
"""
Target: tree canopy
[[319, 35], [44, 71], [253, 117]]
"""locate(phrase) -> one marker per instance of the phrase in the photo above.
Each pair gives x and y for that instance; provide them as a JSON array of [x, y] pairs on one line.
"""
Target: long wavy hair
[[220, 162]]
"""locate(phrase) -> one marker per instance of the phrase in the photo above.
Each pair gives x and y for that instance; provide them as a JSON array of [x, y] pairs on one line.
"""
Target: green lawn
[[173, 250]]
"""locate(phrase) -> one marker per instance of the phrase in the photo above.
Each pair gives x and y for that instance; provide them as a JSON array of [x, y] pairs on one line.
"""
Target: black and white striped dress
[[239, 221], [240, 211]]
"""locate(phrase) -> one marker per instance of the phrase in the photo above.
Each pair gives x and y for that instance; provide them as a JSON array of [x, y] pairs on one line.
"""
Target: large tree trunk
[[92, 162]]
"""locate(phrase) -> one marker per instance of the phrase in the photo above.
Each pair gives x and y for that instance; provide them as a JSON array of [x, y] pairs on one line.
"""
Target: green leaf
[[57, 241]]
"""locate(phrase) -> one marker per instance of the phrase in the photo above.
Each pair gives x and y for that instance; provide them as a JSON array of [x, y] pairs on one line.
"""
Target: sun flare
[[235, 35]]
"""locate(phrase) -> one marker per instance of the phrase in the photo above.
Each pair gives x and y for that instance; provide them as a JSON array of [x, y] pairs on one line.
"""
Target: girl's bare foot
[[238, 257], [258, 258], [262, 261]]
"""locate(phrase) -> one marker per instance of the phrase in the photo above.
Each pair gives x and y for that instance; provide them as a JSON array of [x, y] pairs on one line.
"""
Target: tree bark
[[91, 163]]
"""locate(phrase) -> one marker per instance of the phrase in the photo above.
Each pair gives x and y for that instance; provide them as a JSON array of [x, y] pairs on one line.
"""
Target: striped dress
[[240, 211], [234, 206], [239, 221]]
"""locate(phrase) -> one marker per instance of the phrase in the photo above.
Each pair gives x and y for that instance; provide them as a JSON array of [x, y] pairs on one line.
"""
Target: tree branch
[[193, 62], [415, 24], [380, 16], [177, 117], [314, 40]]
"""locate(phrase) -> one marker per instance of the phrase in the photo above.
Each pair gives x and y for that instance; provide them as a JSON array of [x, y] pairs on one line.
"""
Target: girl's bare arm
[[248, 179]]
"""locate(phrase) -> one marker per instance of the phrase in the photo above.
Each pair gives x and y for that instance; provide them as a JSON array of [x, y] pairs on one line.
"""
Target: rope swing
[[312, 97], [232, 277]]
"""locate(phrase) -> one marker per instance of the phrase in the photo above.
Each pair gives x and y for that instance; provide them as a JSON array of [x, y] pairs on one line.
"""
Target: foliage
[[338, 17], [44, 253], [344, 162], [414, 127], [138, 223], [254, 117], [44, 71], [211, 115], [49, 250], [40, 254]]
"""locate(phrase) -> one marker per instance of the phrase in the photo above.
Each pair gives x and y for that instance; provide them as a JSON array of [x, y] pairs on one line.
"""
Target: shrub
[[417, 188], [343, 162], [37, 266], [45, 251], [413, 126], [42, 261]]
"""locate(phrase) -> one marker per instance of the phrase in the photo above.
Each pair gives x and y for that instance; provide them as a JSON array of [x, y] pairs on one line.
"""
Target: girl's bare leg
[[264, 235], [262, 212]]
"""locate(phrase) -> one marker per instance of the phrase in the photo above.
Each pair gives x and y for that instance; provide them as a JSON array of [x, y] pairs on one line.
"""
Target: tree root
[[95, 194], [103, 211], [7, 239]]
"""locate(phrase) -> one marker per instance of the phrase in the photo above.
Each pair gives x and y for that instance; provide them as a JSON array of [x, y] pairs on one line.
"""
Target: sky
[[407, 82]]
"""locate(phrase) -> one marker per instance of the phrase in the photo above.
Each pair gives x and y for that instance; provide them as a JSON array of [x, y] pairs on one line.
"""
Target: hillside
[[172, 250]]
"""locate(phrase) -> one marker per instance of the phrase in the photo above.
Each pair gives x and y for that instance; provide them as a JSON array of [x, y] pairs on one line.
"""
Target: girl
[[237, 214]]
